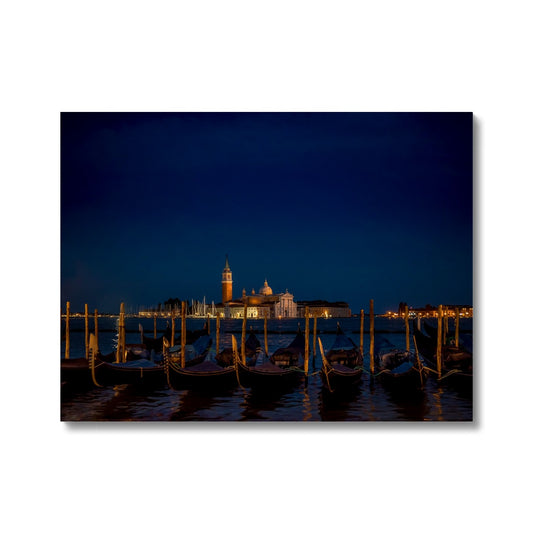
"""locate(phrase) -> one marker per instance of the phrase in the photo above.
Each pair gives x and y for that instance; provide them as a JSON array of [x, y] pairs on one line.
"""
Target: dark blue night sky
[[335, 206]]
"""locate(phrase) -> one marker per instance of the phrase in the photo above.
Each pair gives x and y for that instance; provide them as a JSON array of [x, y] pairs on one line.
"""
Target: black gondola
[[266, 374], [193, 336], [148, 372], [76, 373], [133, 352], [463, 351], [251, 347], [144, 372], [342, 366], [431, 331], [291, 355], [207, 375], [195, 353], [155, 344], [456, 366], [399, 369]]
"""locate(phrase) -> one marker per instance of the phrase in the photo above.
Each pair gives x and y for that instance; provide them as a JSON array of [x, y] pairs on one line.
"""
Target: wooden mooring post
[[439, 342], [371, 336], [67, 332], [407, 347], [96, 330], [86, 331], [361, 331], [457, 327], [118, 358], [306, 348], [155, 325], [314, 338], [117, 353], [243, 336], [123, 315], [217, 340], [235, 351], [183, 332], [121, 342], [266, 335], [173, 333]]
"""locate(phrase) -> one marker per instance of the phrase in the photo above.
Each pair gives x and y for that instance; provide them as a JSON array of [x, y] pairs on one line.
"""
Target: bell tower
[[227, 283]]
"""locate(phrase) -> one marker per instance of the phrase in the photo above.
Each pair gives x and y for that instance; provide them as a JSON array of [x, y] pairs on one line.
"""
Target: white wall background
[[279, 56]]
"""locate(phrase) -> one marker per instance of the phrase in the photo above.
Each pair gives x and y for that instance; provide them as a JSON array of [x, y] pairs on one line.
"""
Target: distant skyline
[[333, 206]]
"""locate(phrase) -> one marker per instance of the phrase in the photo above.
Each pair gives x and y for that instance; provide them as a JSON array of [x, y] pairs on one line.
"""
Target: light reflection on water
[[370, 401]]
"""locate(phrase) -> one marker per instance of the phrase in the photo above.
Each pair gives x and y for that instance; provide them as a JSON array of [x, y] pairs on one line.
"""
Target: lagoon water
[[370, 401]]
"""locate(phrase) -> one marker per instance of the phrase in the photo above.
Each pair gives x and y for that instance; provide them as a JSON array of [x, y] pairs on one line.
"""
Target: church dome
[[265, 290]]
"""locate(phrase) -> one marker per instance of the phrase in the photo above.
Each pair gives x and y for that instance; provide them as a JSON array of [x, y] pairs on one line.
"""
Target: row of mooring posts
[[121, 341], [87, 343], [442, 334]]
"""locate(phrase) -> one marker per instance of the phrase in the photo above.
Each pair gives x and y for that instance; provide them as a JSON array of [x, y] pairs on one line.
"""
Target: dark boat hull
[[336, 380], [226, 358], [412, 379], [201, 348], [456, 369], [198, 379], [342, 367], [291, 355], [268, 377], [189, 362], [195, 361], [458, 379], [424, 344], [115, 374], [156, 344], [349, 358], [76, 373], [400, 369]]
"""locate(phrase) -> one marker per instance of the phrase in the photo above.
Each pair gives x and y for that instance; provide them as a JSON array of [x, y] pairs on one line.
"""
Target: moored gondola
[[131, 364], [268, 376], [195, 353], [450, 351], [75, 373], [193, 336], [399, 369], [141, 367], [133, 352], [207, 375], [145, 372], [344, 351], [456, 362], [155, 344], [265, 374], [291, 355], [135, 365], [251, 346], [342, 366]]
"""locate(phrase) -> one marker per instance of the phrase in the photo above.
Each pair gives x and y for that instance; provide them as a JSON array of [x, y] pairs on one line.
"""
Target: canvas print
[[275, 267]]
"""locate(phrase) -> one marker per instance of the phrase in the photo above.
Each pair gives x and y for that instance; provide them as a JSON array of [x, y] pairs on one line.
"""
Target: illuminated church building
[[264, 303]]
